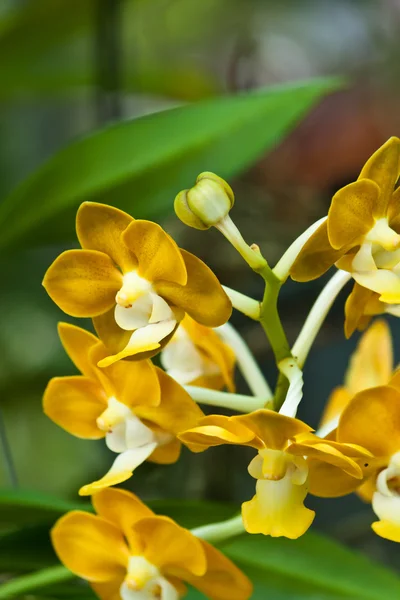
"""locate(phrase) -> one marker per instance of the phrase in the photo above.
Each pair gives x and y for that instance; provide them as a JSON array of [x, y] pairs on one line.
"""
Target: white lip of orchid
[[386, 499], [125, 431], [384, 477], [183, 361], [133, 287], [145, 582], [115, 413], [148, 309], [383, 235], [363, 260]]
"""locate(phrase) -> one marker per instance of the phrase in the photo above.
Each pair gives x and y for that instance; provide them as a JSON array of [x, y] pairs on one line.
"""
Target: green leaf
[[18, 507], [313, 562], [194, 513], [139, 165], [16, 549]]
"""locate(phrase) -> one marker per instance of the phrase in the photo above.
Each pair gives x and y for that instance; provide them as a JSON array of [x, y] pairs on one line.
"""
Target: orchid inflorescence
[[146, 296]]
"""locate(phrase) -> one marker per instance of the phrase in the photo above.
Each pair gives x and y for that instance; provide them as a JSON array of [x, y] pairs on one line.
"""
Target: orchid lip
[[133, 287]]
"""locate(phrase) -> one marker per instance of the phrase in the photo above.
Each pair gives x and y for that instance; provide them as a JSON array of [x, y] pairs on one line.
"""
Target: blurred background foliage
[[84, 89]]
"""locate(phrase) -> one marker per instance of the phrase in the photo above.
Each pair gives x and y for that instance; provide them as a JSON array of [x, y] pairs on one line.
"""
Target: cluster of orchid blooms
[[147, 297]]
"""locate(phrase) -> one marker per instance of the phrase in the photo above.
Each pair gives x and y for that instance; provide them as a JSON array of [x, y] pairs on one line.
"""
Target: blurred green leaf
[[47, 46], [194, 513], [26, 549], [312, 567], [18, 507], [315, 561], [139, 165]]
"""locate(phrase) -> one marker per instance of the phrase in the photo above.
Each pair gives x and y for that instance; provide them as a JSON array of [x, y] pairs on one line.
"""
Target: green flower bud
[[205, 204]]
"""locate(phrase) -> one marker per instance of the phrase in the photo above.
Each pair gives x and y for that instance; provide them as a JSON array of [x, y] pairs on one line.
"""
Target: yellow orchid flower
[[280, 467], [372, 419], [134, 281], [361, 233], [126, 552], [196, 355], [370, 365], [361, 305], [134, 405]]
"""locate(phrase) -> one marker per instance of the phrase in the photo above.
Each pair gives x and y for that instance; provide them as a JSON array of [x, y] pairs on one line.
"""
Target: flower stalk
[[317, 315], [219, 532], [283, 266], [238, 402], [246, 362], [244, 304]]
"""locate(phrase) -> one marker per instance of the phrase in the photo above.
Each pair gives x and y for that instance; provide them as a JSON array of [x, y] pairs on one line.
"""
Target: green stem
[[32, 581], [271, 323], [245, 361], [281, 390], [219, 532], [269, 316]]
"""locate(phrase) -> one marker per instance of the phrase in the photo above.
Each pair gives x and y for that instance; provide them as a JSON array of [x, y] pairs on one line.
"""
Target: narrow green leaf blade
[[18, 507], [139, 165]]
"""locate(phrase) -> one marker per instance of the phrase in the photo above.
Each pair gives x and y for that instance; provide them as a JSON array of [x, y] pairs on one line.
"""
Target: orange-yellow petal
[[316, 256], [223, 580], [277, 509], [371, 364], [338, 399], [393, 212], [372, 420], [213, 350], [131, 382], [216, 430], [350, 215], [158, 255], [367, 488], [75, 403], [123, 509], [171, 547], [166, 454], [328, 481], [113, 337], [100, 227], [90, 546], [383, 168], [77, 343], [272, 428], [83, 283], [109, 590], [202, 297], [355, 309], [331, 453], [176, 411]]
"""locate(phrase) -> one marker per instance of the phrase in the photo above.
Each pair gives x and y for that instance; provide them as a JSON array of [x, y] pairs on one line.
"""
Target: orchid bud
[[205, 204]]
